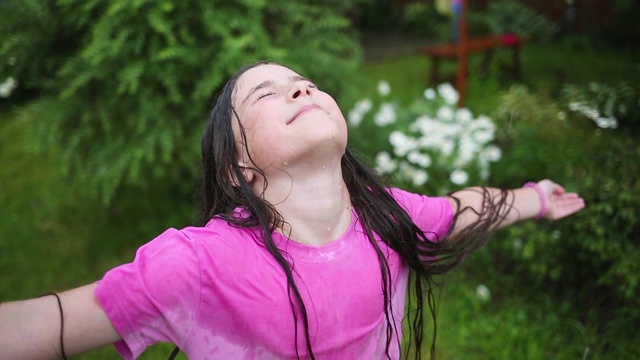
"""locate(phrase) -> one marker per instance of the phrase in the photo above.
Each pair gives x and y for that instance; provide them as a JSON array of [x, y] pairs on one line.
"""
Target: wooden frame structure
[[460, 51]]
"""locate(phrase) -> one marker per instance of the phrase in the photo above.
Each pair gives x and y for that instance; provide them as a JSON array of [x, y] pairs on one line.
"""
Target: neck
[[313, 201]]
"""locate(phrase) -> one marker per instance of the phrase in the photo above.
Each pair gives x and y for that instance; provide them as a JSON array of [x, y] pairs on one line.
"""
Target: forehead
[[255, 76]]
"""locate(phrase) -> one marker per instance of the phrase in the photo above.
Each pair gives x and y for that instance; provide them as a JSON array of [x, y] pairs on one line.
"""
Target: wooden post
[[463, 54]]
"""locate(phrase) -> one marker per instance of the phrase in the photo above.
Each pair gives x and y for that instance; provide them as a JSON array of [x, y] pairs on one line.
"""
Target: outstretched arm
[[31, 329], [501, 208]]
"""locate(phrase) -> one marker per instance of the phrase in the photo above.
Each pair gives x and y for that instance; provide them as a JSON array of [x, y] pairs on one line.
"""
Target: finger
[[565, 207], [558, 190]]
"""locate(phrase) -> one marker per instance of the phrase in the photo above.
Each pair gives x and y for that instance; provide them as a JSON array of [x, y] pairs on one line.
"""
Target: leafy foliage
[[608, 106], [509, 16], [591, 259], [124, 86]]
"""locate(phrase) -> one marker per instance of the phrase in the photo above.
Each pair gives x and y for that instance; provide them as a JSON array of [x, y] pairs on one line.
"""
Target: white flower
[[355, 117], [464, 115], [483, 136], [517, 244], [418, 158], [364, 105], [425, 125], [458, 177], [386, 115], [397, 138], [591, 113], [445, 113], [446, 147], [6, 88], [483, 122], [491, 153], [484, 171], [429, 94], [402, 144], [449, 94], [467, 149], [483, 293], [575, 106], [406, 147], [384, 88], [419, 178], [384, 162], [606, 123]]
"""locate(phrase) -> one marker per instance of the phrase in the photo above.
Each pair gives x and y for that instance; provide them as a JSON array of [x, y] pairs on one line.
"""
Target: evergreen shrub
[[125, 87]]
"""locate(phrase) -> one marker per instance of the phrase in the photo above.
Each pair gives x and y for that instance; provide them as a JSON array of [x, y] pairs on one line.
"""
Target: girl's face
[[287, 119]]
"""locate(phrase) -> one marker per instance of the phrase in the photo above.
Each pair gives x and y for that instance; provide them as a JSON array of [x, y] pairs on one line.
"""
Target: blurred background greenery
[[103, 103]]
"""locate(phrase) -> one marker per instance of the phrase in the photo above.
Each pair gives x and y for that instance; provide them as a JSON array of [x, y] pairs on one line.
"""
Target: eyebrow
[[267, 83]]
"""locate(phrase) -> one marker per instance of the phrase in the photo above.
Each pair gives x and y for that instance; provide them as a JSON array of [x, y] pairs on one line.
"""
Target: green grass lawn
[[51, 239]]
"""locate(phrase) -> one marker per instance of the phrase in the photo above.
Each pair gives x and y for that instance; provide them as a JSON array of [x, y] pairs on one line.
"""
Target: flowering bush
[[608, 106], [429, 143]]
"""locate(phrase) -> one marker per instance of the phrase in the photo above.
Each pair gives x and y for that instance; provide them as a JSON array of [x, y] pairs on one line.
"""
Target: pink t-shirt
[[217, 293]]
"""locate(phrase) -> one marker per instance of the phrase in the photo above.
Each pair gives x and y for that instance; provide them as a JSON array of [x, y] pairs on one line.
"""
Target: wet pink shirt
[[217, 293]]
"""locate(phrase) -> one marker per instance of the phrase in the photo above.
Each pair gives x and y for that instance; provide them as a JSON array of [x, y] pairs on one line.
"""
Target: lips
[[304, 110]]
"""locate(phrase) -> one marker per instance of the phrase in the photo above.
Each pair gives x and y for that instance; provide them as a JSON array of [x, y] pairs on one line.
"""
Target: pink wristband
[[543, 199]]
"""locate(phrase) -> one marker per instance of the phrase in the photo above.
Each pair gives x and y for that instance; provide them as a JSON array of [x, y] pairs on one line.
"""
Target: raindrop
[[329, 228]]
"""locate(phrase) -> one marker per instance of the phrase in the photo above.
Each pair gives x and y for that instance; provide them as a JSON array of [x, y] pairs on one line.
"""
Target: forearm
[[503, 207], [32, 329], [491, 208]]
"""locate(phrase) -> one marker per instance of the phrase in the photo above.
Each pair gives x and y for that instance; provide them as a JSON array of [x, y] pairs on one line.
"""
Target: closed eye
[[264, 95]]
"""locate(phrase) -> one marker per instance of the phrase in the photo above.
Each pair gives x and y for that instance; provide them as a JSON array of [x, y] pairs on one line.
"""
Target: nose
[[299, 89]]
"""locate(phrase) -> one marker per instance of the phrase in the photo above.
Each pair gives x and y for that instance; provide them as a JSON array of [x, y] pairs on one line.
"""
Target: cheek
[[268, 146]]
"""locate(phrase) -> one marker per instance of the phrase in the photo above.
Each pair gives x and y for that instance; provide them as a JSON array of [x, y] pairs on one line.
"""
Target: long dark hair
[[224, 189]]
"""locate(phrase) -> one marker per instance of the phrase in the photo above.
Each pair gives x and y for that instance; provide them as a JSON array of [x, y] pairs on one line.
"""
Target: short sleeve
[[156, 297], [433, 215]]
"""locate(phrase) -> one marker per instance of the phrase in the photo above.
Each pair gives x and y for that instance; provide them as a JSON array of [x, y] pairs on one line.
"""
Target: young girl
[[304, 254]]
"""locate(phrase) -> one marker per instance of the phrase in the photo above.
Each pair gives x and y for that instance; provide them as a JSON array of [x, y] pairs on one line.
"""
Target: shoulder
[[418, 203], [176, 257], [431, 214]]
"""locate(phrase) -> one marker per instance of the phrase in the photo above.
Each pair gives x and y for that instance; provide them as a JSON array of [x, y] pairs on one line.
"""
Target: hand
[[560, 204]]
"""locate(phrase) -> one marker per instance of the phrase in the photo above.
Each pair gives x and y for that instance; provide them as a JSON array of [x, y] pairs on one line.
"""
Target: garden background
[[102, 104]]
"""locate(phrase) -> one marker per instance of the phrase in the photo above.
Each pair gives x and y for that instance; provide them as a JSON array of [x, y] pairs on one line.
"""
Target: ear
[[247, 173]]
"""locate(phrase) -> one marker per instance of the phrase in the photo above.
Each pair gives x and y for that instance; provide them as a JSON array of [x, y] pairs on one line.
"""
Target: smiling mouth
[[304, 110]]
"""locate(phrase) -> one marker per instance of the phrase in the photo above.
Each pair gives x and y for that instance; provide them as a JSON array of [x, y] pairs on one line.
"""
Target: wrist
[[544, 207]]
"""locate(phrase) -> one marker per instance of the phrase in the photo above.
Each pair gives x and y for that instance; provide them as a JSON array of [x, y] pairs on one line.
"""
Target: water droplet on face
[[328, 228], [285, 163], [324, 166], [339, 187]]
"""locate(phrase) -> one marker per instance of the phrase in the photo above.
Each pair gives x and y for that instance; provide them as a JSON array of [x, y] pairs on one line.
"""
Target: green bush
[[509, 16], [590, 259], [125, 86]]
